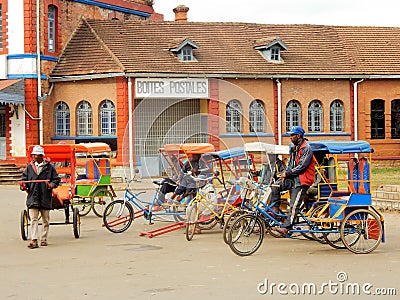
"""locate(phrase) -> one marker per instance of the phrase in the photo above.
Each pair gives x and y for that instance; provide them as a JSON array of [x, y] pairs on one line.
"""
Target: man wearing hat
[[39, 193], [298, 176]]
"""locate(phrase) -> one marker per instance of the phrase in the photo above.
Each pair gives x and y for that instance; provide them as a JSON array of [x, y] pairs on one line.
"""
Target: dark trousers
[[168, 186], [277, 188], [296, 199]]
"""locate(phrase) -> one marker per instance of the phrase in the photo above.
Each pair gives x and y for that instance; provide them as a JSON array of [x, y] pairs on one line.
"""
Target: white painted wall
[[18, 133], [15, 27]]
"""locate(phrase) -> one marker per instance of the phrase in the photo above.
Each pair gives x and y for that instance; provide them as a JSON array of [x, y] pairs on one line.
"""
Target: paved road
[[103, 265]]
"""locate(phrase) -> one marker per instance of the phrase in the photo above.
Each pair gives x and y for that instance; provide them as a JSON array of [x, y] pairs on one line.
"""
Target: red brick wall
[[122, 112], [4, 25], [213, 112]]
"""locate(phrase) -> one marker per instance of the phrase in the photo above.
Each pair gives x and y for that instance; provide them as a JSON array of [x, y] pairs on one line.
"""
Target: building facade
[[225, 83], [33, 34]]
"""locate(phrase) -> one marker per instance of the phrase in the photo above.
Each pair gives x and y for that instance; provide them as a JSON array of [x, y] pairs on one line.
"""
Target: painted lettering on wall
[[171, 88]]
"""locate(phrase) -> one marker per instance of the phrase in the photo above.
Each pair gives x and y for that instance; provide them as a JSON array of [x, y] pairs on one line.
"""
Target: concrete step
[[386, 195], [390, 188], [386, 204]]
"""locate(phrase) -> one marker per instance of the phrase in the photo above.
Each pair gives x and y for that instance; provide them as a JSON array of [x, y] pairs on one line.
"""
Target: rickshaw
[[78, 192], [214, 202], [263, 158], [347, 220], [119, 214]]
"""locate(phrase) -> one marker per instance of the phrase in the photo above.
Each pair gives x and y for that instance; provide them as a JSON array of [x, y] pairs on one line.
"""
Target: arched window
[[51, 27], [84, 119], [257, 116], [293, 114], [315, 116], [395, 115], [337, 116], [107, 118], [62, 119], [377, 119], [234, 116]]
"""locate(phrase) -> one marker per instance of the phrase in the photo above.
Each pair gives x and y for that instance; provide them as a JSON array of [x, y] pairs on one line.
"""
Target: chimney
[[181, 13]]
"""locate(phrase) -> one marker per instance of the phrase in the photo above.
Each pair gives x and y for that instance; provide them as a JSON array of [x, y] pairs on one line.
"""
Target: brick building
[[49, 24], [226, 83]]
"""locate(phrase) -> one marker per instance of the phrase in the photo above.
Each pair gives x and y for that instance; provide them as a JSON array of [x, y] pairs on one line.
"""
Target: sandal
[[33, 244], [43, 243]]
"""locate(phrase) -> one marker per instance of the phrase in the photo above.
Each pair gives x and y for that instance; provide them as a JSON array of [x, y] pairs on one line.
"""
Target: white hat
[[38, 150]]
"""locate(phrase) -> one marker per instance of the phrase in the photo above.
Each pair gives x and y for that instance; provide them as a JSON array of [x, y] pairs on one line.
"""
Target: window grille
[[2, 122], [293, 114], [315, 116], [166, 121], [234, 116], [275, 54], [51, 24], [84, 119], [377, 119], [395, 114], [337, 116], [107, 118], [62, 119], [257, 116]]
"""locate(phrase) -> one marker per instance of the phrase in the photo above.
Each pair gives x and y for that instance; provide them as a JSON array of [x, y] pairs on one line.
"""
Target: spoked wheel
[[24, 224], [179, 211], [319, 237], [118, 216], [101, 198], [361, 231], [208, 222], [246, 234], [228, 223], [191, 221], [84, 206], [334, 239], [76, 222]]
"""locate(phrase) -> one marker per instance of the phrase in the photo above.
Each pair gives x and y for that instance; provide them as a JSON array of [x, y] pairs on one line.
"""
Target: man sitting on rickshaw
[[186, 184]]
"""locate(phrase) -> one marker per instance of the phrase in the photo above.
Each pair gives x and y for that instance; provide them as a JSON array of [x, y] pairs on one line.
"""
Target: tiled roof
[[228, 48]]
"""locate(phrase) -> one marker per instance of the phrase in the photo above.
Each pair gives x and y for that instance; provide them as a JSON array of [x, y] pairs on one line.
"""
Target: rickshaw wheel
[[334, 239], [228, 223], [118, 216], [101, 198], [319, 237], [76, 222], [24, 224], [246, 234], [84, 206], [191, 221], [361, 231], [178, 211]]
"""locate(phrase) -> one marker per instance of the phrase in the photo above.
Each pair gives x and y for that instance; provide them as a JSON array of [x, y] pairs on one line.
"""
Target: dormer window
[[271, 49], [184, 50]]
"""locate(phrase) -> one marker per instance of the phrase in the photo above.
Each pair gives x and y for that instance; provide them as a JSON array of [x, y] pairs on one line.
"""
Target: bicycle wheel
[[319, 237], [76, 222], [118, 216], [84, 206], [101, 198], [24, 224], [228, 223], [178, 211], [246, 234], [334, 239], [361, 231], [191, 221]]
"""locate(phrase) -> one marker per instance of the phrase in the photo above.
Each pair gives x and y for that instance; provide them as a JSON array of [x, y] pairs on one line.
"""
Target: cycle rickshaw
[[79, 193], [347, 220], [120, 213]]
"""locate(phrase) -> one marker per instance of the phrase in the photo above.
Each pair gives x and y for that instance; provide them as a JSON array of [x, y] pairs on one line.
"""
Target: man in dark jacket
[[298, 176], [39, 193]]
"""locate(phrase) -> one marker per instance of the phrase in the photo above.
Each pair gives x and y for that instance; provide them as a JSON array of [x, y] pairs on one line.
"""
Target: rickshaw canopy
[[266, 148], [341, 147], [228, 153], [189, 148]]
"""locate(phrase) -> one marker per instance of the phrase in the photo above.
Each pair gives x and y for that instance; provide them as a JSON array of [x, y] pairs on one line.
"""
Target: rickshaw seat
[[62, 192]]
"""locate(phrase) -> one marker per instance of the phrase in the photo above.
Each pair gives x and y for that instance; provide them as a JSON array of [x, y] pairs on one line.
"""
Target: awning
[[12, 91]]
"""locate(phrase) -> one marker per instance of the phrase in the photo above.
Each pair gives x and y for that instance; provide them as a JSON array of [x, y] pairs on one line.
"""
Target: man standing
[[298, 176], [39, 193]]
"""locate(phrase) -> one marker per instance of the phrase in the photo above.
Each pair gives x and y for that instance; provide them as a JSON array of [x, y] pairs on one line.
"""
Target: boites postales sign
[[171, 88]]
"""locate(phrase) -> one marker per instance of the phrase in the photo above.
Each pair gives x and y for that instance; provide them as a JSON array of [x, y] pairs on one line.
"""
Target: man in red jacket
[[298, 176]]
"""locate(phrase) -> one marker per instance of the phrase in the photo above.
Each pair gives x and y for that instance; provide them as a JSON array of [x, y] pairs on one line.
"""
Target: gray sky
[[321, 12]]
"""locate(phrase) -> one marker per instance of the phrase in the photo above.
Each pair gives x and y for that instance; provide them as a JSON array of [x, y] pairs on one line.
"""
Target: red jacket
[[304, 164]]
